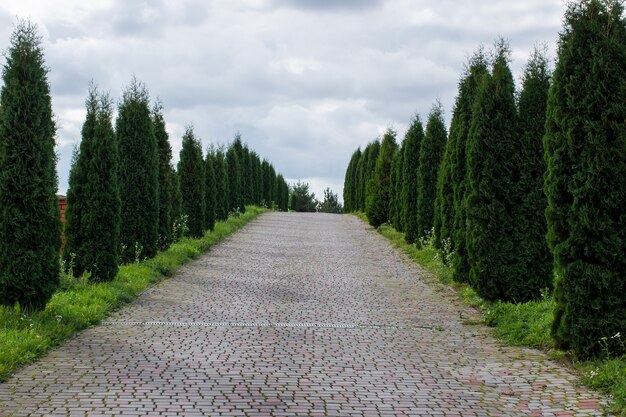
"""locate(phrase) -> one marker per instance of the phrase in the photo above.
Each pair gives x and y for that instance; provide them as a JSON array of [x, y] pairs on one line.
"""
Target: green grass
[[521, 324], [25, 336]]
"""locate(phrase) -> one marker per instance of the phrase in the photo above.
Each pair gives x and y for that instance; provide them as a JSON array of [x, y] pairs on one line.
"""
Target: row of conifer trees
[[527, 193], [125, 200]]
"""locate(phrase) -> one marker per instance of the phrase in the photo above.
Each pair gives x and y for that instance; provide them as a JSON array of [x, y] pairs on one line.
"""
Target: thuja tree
[[257, 187], [459, 131], [366, 170], [408, 203], [283, 188], [233, 169], [493, 153], [138, 175], [272, 181], [248, 182], [210, 190], [93, 212], [30, 229], [221, 185], [534, 259], [395, 209], [267, 186], [349, 186], [166, 182], [179, 226], [192, 183], [585, 150], [378, 186], [431, 154]]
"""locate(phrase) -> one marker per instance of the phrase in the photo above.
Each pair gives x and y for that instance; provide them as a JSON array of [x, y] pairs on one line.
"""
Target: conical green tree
[[459, 131], [493, 156], [365, 169], [93, 229], [192, 183], [179, 219], [30, 229], [221, 186], [378, 186], [272, 181], [534, 260], [255, 165], [396, 189], [585, 151], [166, 182], [412, 144], [349, 187], [138, 175], [210, 190], [431, 154], [235, 176]]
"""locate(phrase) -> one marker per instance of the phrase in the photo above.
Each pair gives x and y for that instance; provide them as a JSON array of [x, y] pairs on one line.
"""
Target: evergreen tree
[[93, 212], [166, 182], [585, 151], [459, 131], [179, 226], [396, 189], [492, 167], [301, 199], [272, 181], [30, 229], [192, 183], [361, 167], [444, 205], [378, 186], [534, 259], [267, 186], [330, 204], [408, 203], [233, 169], [365, 168], [285, 196], [248, 181], [431, 154], [349, 186], [221, 186], [138, 175], [255, 164], [210, 191]]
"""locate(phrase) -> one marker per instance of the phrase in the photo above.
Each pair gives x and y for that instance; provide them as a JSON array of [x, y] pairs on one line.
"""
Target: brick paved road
[[298, 314]]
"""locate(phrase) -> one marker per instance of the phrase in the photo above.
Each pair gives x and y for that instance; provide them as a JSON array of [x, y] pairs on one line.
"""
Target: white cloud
[[304, 81]]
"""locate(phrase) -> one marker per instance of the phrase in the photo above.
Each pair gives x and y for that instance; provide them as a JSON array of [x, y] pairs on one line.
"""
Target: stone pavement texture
[[295, 315]]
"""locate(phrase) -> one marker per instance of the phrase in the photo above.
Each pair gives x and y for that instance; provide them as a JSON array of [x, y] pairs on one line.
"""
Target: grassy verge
[[521, 324], [25, 336]]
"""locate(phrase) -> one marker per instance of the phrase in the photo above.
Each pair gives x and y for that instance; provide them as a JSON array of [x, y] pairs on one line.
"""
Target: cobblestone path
[[295, 315]]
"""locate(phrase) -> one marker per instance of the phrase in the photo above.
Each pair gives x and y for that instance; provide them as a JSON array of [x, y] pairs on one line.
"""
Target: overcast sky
[[305, 82]]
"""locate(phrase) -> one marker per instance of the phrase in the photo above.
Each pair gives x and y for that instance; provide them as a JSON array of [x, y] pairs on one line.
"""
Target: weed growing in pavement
[[78, 304]]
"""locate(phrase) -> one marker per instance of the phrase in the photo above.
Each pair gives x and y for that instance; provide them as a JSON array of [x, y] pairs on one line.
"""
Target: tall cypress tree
[[585, 151], [396, 194], [408, 203], [178, 218], [30, 229], [378, 186], [192, 183], [272, 181], [267, 187], [530, 228], [492, 159], [93, 213], [166, 182], [459, 131], [138, 174], [255, 165], [349, 186], [210, 191], [221, 185], [431, 154], [233, 168]]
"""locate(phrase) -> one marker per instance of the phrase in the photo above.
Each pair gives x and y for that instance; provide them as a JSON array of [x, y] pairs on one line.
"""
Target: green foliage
[[179, 225], [395, 203], [459, 131], [192, 183], [233, 173], [493, 161], [258, 180], [210, 189], [27, 335], [431, 154], [138, 174], [301, 199], [248, 181], [349, 185], [365, 170], [330, 204], [585, 151], [167, 186], [379, 185], [30, 229], [93, 212], [410, 167], [221, 186], [609, 376], [282, 190], [533, 259]]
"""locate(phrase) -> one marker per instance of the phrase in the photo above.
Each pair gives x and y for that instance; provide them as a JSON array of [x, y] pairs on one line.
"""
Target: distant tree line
[[517, 167], [125, 201]]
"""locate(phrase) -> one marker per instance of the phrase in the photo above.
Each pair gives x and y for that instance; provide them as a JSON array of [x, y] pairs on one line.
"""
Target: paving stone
[[255, 329]]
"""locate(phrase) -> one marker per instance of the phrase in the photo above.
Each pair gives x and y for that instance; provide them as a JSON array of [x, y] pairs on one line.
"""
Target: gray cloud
[[304, 82]]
